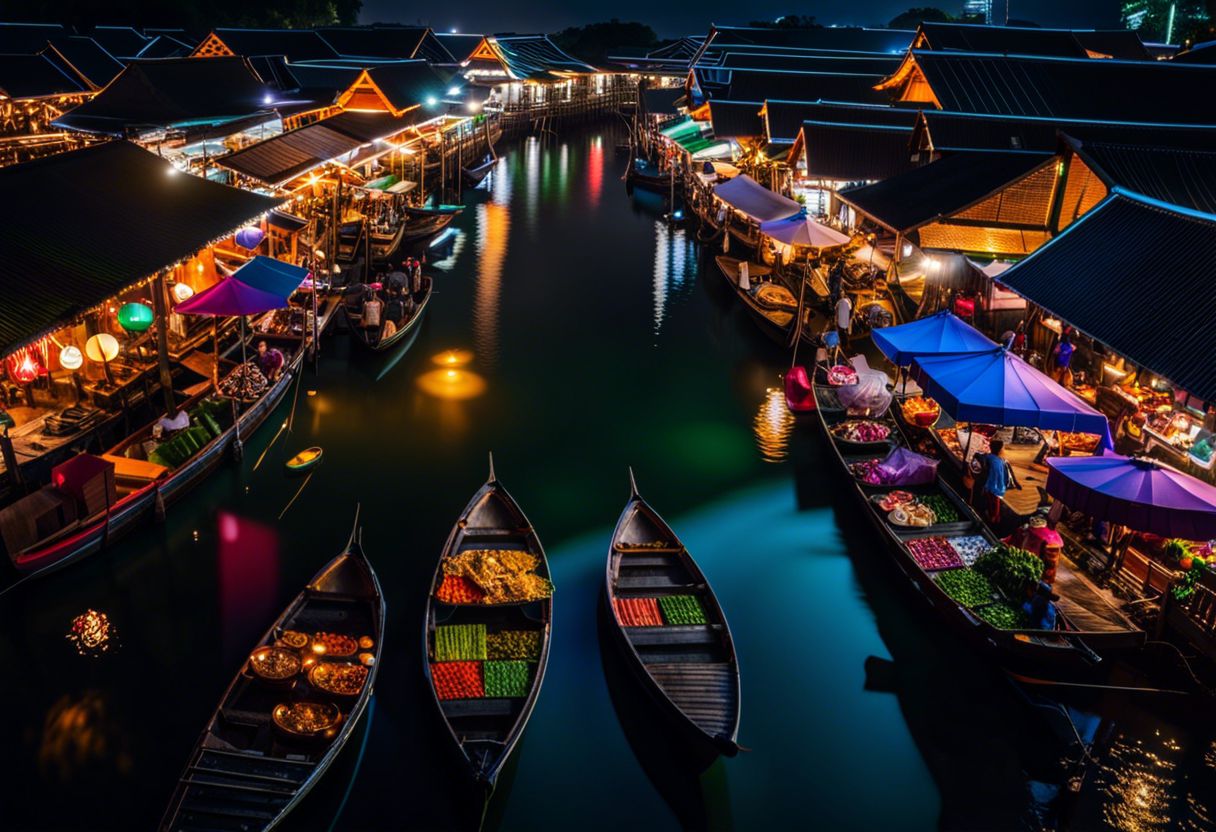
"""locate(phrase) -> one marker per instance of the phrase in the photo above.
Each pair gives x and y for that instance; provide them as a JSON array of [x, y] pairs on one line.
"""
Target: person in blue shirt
[[997, 478], [1062, 369], [1040, 609]]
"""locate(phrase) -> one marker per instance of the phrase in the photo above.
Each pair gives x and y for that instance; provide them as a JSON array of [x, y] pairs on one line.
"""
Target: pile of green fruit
[[1003, 616], [1010, 569], [966, 586], [942, 508]]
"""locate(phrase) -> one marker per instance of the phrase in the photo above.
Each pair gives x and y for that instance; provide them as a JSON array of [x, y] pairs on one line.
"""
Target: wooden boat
[[486, 730], [472, 176], [769, 303], [422, 228], [434, 210], [643, 174], [690, 670], [250, 768], [142, 494], [305, 460], [364, 336], [1069, 652]]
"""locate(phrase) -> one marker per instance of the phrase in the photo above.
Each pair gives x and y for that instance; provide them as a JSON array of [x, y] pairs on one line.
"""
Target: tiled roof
[[1064, 43], [731, 119], [784, 118]]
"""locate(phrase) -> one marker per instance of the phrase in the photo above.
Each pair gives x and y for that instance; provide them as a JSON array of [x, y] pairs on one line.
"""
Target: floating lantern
[[102, 347], [182, 291], [250, 237], [135, 317], [92, 633], [70, 357]]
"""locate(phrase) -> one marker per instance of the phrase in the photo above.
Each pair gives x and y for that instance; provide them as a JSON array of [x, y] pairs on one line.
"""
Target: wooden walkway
[[1088, 607]]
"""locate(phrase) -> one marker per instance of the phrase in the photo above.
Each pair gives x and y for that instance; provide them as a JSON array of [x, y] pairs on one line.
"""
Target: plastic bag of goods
[[906, 467], [869, 396]]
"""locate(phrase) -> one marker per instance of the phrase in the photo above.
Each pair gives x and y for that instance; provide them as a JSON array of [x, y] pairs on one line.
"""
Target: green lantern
[[135, 317]]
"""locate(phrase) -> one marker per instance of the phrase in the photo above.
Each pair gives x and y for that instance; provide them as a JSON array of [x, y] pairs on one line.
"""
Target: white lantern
[[182, 291], [70, 357], [102, 347]]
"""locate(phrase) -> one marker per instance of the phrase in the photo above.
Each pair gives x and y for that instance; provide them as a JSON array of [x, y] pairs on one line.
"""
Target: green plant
[[1011, 569]]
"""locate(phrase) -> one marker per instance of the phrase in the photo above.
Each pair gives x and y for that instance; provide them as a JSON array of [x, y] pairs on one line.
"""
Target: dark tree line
[[194, 15]]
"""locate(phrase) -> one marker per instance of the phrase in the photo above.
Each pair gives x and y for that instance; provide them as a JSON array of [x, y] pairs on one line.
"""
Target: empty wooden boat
[[305, 460], [673, 632], [472, 176], [291, 708], [486, 652]]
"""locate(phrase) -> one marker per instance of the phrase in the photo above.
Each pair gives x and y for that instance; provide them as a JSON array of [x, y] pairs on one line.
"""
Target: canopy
[[258, 286], [749, 197], [1141, 494], [801, 230], [998, 388], [935, 335]]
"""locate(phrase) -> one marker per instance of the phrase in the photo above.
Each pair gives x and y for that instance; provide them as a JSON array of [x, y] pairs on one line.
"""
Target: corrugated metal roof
[[1136, 275], [889, 41], [122, 42], [535, 57], [118, 217], [1105, 90], [799, 61], [784, 118], [37, 76], [28, 38], [940, 189], [85, 57], [1064, 43], [731, 119], [945, 132], [294, 44], [163, 93], [762, 84], [1181, 177], [855, 153]]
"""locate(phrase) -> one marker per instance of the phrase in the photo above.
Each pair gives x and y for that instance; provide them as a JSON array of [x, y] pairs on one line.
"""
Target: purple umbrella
[[231, 296], [1141, 494]]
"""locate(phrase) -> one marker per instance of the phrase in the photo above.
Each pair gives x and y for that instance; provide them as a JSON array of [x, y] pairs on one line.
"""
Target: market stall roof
[[1077, 88], [1185, 177], [119, 216], [37, 76], [935, 335], [842, 38], [86, 58], [736, 119], [762, 84], [801, 230], [749, 197], [999, 388], [945, 132], [293, 44], [784, 119], [170, 92], [271, 275], [1113, 253], [661, 101], [939, 189], [854, 152], [1139, 493], [1027, 40], [281, 158]]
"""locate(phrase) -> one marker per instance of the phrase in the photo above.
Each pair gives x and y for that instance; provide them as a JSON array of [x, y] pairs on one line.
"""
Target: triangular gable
[[484, 52], [212, 47], [365, 95], [908, 83]]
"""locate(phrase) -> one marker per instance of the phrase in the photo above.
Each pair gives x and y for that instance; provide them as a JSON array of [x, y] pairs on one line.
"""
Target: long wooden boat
[[362, 336], [434, 210], [472, 176], [484, 729], [690, 669], [642, 174], [770, 304], [253, 764], [1070, 652], [138, 500]]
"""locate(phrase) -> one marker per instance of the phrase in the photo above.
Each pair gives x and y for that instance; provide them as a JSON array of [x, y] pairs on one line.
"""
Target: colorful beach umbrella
[[1142, 494]]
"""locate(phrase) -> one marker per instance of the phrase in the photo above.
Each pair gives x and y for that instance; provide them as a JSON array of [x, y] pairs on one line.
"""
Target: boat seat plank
[[232, 773], [650, 583], [209, 780], [704, 693], [661, 636], [629, 560], [456, 708]]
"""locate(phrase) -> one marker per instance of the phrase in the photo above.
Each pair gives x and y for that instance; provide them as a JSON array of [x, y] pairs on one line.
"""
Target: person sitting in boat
[[1040, 609], [270, 361], [397, 280], [394, 310]]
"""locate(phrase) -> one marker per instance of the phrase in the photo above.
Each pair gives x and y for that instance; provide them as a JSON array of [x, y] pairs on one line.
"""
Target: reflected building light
[[595, 170], [662, 262], [772, 426], [452, 358], [92, 633], [563, 173], [500, 183], [450, 250], [77, 736], [532, 153], [493, 228]]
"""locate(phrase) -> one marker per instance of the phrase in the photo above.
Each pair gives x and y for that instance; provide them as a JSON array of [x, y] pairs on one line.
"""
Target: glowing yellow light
[[452, 384], [182, 291], [772, 426], [452, 358], [92, 633]]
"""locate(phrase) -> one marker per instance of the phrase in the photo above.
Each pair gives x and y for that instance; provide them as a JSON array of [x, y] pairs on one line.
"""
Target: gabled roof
[[385, 42], [37, 76], [165, 93], [679, 49], [1063, 43], [939, 189], [118, 218], [762, 84], [323, 81], [395, 87], [1186, 178], [186, 37], [1113, 253], [809, 61], [736, 119], [1138, 91], [166, 46], [85, 57], [534, 58], [293, 44], [459, 45], [28, 38], [122, 42], [890, 41], [282, 158], [1200, 53], [853, 152], [783, 119], [946, 132]]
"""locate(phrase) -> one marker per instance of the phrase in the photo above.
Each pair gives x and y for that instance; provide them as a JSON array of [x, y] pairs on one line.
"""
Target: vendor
[[1040, 609], [270, 361], [997, 477]]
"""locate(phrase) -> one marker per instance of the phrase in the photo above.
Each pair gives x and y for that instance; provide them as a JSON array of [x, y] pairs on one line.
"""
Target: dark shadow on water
[[694, 787]]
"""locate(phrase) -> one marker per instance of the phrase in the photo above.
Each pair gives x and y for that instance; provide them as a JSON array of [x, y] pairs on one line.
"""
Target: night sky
[[694, 16]]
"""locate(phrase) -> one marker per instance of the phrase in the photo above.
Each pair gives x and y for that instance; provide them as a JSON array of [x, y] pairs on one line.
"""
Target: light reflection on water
[[772, 426], [674, 267], [493, 229]]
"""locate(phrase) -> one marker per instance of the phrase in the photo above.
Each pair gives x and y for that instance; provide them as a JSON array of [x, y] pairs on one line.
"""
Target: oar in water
[[290, 502]]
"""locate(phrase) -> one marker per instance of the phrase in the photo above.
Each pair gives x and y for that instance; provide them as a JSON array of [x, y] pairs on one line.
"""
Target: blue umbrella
[[934, 335]]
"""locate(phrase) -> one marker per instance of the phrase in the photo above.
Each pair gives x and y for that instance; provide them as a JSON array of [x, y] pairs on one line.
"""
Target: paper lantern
[[135, 317], [70, 357], [25, 370], [101, 347], [182, 291], [250, 237]]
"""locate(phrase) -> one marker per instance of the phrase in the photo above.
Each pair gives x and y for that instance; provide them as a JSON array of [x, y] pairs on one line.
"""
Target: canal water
[[600, 338]]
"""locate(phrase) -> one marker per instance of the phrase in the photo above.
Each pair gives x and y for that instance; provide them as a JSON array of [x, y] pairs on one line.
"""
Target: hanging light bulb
[[70, 357], [182, 291]]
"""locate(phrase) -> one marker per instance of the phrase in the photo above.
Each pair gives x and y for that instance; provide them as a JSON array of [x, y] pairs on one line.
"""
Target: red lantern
[[23, 369]]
